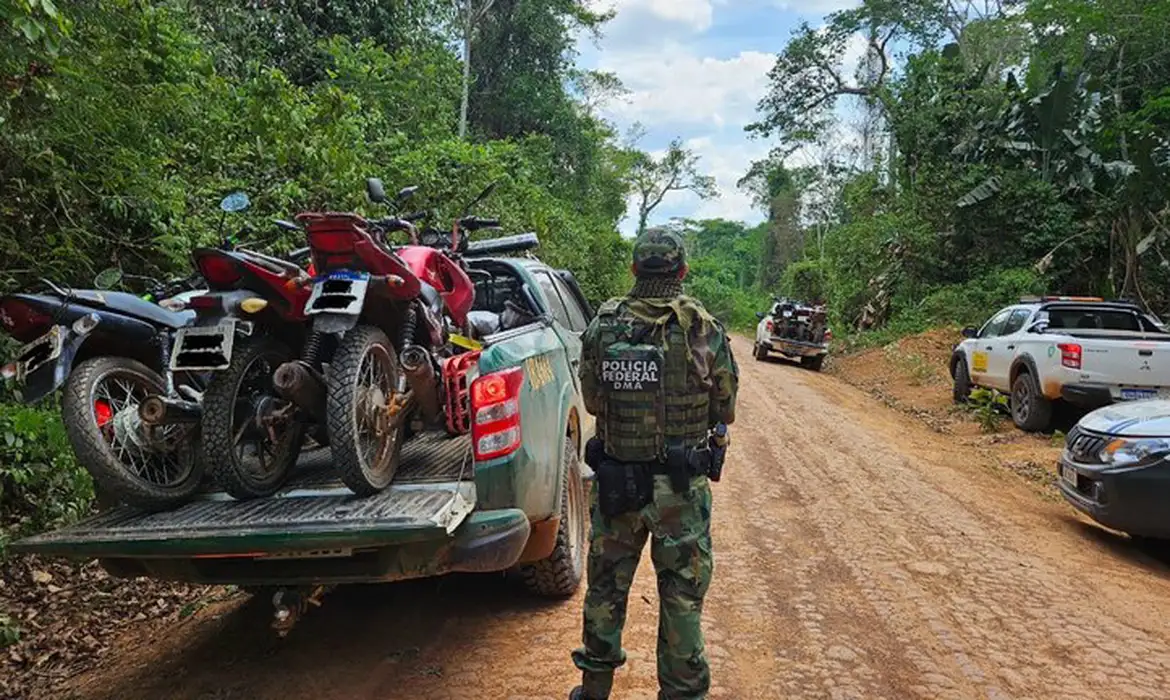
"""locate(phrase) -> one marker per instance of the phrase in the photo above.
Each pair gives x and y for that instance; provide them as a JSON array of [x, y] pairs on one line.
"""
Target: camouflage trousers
[[680, 531]]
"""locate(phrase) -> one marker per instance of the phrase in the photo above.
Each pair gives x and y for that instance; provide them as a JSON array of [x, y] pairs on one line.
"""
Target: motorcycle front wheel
[[366, 425], [251, 437], [151, 468]]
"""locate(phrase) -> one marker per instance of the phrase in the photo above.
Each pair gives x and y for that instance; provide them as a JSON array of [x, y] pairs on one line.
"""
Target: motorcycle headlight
[[1126, 451]]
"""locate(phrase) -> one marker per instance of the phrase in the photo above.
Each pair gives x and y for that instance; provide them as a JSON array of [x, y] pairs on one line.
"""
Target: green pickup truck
[[508, 500]]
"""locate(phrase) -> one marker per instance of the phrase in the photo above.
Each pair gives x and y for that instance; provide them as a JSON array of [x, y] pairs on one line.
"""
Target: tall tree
[[676, 171]]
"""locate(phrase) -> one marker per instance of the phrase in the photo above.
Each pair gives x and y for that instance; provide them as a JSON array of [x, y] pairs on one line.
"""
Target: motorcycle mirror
[[108, 278], [375, 191], [405, 193], [236, 201]]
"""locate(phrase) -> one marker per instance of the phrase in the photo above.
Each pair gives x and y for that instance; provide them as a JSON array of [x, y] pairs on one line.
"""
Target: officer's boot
[[579, 694]]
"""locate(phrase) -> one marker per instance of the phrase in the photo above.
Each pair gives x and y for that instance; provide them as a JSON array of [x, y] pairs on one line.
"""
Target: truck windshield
[[1094, 319]]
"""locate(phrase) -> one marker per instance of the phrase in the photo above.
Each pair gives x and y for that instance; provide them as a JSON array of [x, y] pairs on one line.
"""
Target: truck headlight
[[1127, 451]]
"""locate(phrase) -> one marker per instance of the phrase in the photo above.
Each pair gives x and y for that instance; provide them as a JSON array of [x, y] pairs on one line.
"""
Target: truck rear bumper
[[486, 541], [1086, 396], [794, 348]]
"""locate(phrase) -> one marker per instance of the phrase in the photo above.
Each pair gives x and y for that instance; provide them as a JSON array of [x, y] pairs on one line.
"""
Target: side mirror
[[374, 190], [108, 278], [236, 201], [760, 315], [970, 332], [405, 193]]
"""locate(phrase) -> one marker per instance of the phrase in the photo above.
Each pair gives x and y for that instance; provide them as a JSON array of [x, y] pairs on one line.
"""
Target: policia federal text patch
[[637, 368]]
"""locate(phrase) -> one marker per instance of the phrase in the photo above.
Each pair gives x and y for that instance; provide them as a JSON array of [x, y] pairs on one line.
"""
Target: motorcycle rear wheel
[[151, 469], [365, 433], [248, 450]]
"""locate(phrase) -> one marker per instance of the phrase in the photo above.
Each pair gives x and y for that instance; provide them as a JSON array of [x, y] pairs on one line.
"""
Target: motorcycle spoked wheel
[[366, 432], [251, 437], [150, 468]]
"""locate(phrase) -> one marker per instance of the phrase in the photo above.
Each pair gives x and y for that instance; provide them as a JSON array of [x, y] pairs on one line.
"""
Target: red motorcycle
[[391, 311], [250, 322]]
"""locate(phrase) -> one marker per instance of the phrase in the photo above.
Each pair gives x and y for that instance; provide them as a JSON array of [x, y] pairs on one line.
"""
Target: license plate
[[1068, 475], [204, 348], [1138, 394], [341, 292], [38, 353], [786, 314]]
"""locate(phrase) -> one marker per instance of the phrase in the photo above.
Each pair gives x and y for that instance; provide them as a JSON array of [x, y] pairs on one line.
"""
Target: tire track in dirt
[[858, 556]]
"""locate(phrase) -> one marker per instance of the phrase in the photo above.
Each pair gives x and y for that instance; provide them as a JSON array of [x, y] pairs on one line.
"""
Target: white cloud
[[675, 87], [694, 14], [816, 7]]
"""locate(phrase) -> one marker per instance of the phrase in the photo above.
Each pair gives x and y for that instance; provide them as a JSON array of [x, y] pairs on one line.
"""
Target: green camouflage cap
[[659, 251]]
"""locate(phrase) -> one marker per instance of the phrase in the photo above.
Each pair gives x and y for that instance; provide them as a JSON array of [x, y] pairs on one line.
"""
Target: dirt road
[[859, 555]]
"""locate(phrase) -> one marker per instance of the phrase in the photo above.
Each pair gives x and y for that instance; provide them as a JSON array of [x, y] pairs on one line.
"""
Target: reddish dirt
[[859, 554], [912, 375]]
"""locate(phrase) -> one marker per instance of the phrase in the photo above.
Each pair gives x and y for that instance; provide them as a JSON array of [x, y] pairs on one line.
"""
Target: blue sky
[[696, 69]]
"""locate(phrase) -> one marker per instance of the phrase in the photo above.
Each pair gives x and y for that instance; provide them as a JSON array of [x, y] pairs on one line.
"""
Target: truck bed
[[432, 491]]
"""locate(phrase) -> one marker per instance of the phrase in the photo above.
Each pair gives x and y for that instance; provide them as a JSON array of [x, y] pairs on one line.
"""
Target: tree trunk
[[466, 71]]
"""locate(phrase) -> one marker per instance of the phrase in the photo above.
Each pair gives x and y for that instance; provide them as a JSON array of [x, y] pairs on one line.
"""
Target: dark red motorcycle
[[391, 312]]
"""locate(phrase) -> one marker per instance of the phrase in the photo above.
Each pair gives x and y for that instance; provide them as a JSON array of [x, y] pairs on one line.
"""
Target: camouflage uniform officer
[[658, 373]]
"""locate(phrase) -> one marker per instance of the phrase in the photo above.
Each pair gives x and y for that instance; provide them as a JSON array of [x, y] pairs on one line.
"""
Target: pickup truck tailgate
[[432, 493], [1117, 360]]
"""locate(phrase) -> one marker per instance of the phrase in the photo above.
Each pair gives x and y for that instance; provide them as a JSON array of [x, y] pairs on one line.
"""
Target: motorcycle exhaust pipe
[[297, 382], [161, 410], [420, 375]]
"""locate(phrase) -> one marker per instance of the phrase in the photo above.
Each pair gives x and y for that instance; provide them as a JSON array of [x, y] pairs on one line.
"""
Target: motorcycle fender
[[51, 376], [333, 324]]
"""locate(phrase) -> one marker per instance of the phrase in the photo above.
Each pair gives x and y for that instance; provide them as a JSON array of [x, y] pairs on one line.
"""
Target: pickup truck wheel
[[815, 362], [1031, 412], [962, 387], [761, 352], [559, 575]]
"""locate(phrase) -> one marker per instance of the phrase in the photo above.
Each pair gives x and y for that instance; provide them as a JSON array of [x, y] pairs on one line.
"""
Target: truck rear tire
[[1031, 412], [559, 574], [814, 362]]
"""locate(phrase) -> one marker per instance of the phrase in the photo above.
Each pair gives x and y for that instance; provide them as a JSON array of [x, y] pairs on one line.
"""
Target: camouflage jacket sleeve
[[724, 373], [590, 391]]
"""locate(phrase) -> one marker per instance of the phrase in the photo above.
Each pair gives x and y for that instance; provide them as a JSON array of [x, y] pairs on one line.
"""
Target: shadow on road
[[362, 638], [1151, 555]]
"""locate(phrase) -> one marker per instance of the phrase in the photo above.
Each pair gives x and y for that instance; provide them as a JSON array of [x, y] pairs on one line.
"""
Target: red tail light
[[1070, 355], [331, 242], [218, 270], [204, 302], [21, 320], [495, 407]]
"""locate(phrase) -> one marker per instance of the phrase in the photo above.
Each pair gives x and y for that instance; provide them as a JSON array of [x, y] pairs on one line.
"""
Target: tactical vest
[[650, 393]]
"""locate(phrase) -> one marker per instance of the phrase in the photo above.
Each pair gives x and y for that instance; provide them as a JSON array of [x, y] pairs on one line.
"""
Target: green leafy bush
[[988, 406], [41, 483]]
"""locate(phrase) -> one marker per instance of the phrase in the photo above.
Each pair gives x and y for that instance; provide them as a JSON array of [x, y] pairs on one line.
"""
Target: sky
[[695, 70]]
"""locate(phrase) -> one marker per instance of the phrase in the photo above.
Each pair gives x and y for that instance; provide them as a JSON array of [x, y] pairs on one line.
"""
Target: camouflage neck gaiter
[[656, 288]]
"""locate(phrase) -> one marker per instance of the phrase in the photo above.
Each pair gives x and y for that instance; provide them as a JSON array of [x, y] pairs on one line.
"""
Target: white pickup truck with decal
[[1082, 350]]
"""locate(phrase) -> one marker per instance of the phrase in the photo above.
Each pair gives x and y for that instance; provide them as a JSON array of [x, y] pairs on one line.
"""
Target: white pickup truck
[[1083, 350]]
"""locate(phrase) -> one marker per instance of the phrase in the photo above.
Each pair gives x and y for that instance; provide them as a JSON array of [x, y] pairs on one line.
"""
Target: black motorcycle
[[108, 350]]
